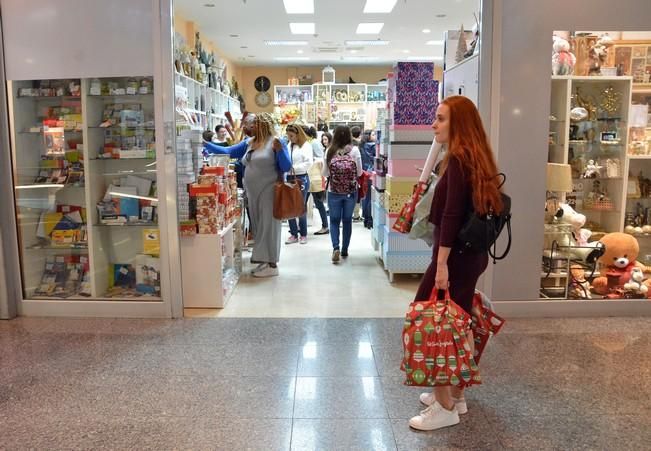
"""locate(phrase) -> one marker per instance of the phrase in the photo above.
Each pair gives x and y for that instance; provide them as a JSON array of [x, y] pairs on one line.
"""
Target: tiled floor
[[309, 285], [312, 384]]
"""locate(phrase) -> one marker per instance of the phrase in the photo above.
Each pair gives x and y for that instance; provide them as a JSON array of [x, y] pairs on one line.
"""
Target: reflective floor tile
[[350, 435]]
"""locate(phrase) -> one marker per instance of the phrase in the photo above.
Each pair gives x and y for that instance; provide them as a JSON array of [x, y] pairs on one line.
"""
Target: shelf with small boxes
[[84, 161]]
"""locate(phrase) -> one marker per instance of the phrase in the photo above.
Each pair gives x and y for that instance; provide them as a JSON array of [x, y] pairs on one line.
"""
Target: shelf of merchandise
[[320, 100], [577, 152], [208, 102], [104, 246]]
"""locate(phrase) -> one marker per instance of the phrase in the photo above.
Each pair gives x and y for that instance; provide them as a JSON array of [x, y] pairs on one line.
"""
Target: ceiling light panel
[[375, 42], [379, 6], [301, 27], [292, 58], [361, 58], [286, 43], [299, 6], [434, 43], [369, 28]]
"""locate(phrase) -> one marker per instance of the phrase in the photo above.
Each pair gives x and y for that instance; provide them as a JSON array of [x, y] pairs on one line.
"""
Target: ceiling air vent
[[326, 49]]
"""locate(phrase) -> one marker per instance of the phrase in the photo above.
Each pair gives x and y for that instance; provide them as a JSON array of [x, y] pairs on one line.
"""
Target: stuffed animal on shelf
[[635, 284], [563, 60], [617, 264], [580, 248], [579, 286], [592, 170], [598, 54]]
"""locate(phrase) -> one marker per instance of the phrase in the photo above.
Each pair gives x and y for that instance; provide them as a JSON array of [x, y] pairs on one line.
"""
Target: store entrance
[[315, 71]]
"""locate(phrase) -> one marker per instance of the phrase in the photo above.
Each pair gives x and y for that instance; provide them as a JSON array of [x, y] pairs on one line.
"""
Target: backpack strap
[[493, 253]]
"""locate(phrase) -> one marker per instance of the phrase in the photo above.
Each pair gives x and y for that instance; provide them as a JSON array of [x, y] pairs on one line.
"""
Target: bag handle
[[492, 253]]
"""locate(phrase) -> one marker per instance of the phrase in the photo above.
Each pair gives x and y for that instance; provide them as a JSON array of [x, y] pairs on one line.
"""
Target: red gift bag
[[485, 322], [406, 217], [436, 347]]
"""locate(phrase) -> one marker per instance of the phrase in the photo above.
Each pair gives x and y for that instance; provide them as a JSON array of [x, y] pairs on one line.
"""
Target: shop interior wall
[[524, 71], [188, 29]]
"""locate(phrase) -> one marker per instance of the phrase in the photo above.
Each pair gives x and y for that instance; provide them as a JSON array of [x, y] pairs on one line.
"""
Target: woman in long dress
[[266, 160]]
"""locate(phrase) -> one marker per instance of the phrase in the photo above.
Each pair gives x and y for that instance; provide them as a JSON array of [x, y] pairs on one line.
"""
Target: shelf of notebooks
[[88, 160]]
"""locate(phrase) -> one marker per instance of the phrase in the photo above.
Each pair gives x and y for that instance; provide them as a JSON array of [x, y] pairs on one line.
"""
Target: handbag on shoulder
[[288, 198], [480, 232]]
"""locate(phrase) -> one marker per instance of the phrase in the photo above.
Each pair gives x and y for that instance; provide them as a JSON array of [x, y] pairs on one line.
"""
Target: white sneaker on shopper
[[266, 272], [260, 266], [302, 240], [335, 256], [435, 417], [428, 399], [291, 240]]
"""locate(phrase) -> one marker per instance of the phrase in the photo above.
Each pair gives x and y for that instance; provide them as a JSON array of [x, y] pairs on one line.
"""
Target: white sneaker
[[259, 267], [266, 272], [428, 399], [291, 240], [435, 417]]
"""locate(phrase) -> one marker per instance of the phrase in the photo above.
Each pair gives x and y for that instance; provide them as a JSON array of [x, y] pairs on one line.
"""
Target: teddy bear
[[563, 60], [579, 286], [617, 264], [635, 284]]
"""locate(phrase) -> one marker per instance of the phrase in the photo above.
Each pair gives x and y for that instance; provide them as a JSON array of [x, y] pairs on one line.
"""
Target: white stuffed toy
[[563, 60], [580, 249], [635, 283]]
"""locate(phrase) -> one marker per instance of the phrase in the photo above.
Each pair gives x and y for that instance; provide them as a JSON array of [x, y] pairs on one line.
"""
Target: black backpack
[[480, 232]]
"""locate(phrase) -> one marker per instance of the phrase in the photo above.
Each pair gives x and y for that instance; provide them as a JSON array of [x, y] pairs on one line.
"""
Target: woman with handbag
[[467, 184], [343, 167], [265, 158], [302, 159], [317, 185]]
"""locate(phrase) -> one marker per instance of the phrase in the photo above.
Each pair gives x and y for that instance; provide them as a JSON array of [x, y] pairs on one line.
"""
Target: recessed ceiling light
[[288, 43], [426, 30], [369, 28], [299, 6], [424, 58], [379, 6], [361, 58], [299, 51], [363, 42], [406, 51], [234, 35], [440, 16], [292, 58], [302, 27], [434, 43], [353, 51]]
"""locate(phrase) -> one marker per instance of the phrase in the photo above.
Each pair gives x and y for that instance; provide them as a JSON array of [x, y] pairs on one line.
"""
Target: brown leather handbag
[[288, 198]]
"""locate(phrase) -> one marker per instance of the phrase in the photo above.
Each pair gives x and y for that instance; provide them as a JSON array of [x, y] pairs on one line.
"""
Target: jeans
[[366, 206], [319, 197], [302, 220], [341, 211]]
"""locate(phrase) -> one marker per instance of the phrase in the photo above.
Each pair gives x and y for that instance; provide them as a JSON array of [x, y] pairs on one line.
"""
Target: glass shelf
[[120, 96], [50, 97], [152, 225], [59, 248]]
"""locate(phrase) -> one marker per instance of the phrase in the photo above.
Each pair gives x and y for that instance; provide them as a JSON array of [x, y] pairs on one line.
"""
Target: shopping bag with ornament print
[[485, 322], [406, 217], [436, 347]]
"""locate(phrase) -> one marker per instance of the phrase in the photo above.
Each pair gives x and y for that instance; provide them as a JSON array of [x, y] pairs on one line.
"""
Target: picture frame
[[609, 137]]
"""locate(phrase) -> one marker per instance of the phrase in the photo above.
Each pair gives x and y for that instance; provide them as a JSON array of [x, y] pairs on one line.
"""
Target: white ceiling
[[255, 21]]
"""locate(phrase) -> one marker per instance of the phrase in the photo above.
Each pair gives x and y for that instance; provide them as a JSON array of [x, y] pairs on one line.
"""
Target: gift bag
[[436, 347], [485, 322], [421, 228], [406, 217]]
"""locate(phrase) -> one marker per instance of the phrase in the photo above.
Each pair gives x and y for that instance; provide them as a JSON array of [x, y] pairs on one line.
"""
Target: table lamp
[[559, 180]]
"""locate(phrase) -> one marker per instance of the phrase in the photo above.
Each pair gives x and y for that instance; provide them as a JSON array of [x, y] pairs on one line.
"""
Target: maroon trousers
[[464, 270]]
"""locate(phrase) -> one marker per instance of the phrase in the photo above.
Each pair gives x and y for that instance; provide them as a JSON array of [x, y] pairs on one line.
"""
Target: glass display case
[[292, 95], [85, 188]]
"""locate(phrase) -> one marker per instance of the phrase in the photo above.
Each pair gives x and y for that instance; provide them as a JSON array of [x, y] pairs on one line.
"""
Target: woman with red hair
[[468, 182]]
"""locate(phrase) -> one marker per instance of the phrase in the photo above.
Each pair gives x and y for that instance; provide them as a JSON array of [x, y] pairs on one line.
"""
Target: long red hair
[[467, 141]]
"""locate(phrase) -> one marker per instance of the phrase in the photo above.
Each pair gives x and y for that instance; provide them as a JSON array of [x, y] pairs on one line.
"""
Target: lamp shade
[[559, 177]]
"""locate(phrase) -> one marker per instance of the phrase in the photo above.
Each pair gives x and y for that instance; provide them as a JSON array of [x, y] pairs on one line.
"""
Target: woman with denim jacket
[[265, 158]]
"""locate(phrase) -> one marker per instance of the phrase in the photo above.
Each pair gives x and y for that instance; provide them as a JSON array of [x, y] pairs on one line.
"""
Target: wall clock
[[262, 84], [262, 99]]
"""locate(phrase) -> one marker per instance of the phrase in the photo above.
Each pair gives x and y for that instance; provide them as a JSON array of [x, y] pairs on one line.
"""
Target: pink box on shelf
[[405, 168]]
